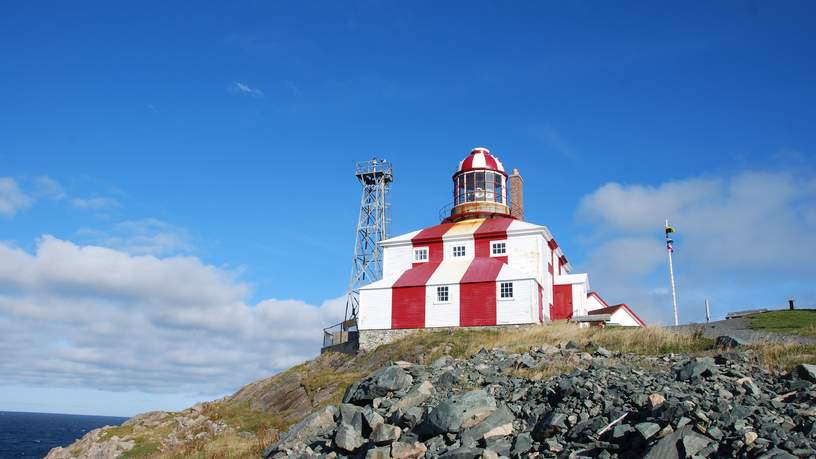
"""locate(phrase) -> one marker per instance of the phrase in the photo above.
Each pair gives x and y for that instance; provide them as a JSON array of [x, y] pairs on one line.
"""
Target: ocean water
[[32, 435]]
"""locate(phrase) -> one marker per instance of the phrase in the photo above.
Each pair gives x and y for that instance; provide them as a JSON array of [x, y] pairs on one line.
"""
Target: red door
[[562, 302], [477, 304]]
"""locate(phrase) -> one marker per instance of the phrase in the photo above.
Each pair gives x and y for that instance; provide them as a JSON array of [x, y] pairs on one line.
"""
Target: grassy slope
[[324, 378], [800, 322]]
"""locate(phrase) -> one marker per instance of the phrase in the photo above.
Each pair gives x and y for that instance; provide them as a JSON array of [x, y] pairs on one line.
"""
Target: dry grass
[[116, 431], [465, 342], [784, 355], [241, 417], [142, 448], [230, 445]]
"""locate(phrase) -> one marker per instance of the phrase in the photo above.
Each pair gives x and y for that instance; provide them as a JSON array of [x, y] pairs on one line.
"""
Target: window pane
[[461, 185], [442, 294], [469, 187], [480, 186], [498, 188], [506, 290], [489, 194]]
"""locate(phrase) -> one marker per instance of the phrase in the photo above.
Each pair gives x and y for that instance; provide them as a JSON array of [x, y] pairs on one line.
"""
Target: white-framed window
[[442, 294], [506, 290], [458, 251], [420, 254], [498, 248]]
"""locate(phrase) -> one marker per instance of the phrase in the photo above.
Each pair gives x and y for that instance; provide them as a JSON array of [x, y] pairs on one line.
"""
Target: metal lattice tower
[[375, 176]]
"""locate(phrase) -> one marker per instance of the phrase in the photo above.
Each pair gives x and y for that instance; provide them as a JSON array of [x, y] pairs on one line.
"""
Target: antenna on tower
[[375, 176]]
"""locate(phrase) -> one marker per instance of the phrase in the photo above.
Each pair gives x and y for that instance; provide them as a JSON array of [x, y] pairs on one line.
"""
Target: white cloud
[[742, 241], [46, 187], [90, 316], [240, 88], [12, 198], [142, 237], [95, 203]]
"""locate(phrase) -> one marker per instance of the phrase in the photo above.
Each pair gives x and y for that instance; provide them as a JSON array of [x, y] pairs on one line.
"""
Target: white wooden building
[[483, 265]]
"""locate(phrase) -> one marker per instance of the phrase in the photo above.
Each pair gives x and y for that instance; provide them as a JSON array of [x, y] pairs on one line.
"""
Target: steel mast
[[375, 176]]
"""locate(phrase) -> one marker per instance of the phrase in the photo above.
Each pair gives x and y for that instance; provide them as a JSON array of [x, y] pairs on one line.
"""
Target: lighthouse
[[482, 265], [479, 187]]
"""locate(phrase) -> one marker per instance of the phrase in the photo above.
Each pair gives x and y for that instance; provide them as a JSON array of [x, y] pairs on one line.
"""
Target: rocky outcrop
[[93, 446], [154, 431], [284, 393], [491, 405], [248, 417]]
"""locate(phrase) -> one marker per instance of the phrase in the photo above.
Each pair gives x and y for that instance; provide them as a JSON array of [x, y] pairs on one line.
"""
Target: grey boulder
[[806, 371], [729, 342], [348, 439], [385, 433], [550, 425], [498, 424], [378, 384], [697, 367], [459, 412]]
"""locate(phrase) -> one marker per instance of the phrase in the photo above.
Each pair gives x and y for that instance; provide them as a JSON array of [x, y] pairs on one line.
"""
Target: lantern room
[[479, 187]]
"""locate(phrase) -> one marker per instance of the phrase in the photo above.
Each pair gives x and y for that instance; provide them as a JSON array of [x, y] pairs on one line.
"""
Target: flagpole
[[671, 274], [708, 312]]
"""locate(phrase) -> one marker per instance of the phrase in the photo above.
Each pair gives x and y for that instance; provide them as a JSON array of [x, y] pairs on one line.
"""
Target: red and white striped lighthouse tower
[[483, 265], [479, 187]]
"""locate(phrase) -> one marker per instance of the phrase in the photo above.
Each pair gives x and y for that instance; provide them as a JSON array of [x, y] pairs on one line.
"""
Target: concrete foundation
[[372, 339]]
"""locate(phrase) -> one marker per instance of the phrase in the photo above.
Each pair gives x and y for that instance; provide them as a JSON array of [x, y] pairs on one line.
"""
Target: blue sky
[[220, 139]]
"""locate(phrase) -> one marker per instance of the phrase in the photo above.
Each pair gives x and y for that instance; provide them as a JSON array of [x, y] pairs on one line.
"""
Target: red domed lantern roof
[[480, 158]]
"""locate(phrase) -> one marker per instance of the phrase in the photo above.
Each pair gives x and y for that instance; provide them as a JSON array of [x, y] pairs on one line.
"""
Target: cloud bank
[[89, 316], [743, 241]]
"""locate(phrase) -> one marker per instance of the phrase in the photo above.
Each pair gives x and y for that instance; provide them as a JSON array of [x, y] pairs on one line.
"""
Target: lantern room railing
[[482, 208]]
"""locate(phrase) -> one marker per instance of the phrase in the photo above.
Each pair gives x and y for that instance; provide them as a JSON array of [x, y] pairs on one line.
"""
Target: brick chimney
[[516, 195]]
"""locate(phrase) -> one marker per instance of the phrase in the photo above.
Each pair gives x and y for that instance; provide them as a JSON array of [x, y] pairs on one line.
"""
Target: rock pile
[[609, 405]]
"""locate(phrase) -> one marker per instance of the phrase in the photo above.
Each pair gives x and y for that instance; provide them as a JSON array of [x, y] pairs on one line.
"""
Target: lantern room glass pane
[[499, 189], [469, 187], [489, 194], [461, 186], [480, 186], [455, 190]]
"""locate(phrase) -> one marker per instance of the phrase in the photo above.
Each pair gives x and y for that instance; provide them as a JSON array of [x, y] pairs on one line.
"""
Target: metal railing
[[447, 209], [370, 171], [340, 333]]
